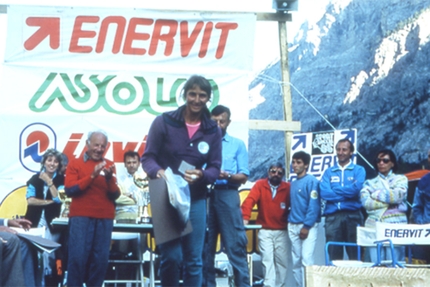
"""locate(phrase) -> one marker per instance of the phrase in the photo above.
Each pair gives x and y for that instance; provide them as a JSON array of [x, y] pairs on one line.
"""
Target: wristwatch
[[229, 176]]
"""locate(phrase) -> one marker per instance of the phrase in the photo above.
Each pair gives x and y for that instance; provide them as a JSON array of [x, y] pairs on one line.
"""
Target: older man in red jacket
[[272, 196]]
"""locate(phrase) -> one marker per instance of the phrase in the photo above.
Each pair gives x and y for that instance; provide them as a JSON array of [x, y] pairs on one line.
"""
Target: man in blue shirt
[[305, 214], [340, 189], [225, 216], [421, 212]]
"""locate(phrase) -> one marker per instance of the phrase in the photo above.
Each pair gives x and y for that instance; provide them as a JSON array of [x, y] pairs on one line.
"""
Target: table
[[146, 228], [62, 223]]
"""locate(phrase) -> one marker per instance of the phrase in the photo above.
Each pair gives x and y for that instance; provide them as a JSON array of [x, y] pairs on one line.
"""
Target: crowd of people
[[193, 142]]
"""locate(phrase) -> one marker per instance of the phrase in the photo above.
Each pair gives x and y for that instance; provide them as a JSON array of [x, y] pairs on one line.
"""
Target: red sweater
[[90, 197], [272, 213]]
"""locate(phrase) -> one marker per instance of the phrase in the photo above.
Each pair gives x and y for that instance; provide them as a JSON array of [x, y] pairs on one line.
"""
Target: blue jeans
[[187, 250], [89, 243], [225, 217], [29, 264], [342, 227]]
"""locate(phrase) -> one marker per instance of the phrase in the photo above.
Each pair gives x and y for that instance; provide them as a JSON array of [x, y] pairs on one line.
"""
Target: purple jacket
[[168, 145]]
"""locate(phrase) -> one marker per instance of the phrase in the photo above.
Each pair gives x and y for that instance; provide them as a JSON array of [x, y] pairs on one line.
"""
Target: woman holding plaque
[[189, 142], [384, 198]]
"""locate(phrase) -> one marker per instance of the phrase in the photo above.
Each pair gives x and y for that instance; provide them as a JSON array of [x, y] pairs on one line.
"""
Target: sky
[[266, 48]]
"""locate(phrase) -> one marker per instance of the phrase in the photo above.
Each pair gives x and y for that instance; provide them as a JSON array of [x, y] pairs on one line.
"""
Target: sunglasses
[[279, 172], [384, 160]]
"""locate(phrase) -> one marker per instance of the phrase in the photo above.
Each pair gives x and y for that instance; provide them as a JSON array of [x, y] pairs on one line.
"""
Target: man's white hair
[[90, 134]]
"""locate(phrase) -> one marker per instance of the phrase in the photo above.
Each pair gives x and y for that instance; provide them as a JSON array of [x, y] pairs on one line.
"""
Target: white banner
[[322, 148], [403, 234], [139, 39], [68, 71]]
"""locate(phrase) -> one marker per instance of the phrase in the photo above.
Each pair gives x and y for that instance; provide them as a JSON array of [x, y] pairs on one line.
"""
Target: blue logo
[[34, 140]]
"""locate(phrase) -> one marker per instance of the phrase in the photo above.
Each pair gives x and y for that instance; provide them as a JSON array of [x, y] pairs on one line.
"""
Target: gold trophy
[[141, 181], [66, 203]]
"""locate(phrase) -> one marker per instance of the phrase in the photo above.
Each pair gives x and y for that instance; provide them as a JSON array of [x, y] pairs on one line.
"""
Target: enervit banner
[[322, 148], [403, 234], [70, 70]]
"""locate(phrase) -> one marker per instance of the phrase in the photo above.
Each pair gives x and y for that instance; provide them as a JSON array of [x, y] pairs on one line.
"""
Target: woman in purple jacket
[[186, 136]]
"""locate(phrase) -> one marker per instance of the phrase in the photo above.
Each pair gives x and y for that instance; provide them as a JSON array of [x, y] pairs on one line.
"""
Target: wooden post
[[286, 91], [287, 125]]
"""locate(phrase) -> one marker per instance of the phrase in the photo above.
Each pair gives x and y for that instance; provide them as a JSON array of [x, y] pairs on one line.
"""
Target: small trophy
[[66, 203], [141, 181]]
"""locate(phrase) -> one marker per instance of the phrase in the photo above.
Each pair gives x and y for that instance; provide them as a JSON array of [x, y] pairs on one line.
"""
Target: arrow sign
[[49, 27], [301, 140], [349, 134], [33, 152]]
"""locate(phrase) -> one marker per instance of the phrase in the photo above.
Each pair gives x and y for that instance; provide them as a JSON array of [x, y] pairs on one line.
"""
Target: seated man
[[126, 210], [127, 205], [16, 255]]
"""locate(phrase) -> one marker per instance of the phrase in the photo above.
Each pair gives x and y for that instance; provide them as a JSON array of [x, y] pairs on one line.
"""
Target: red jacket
[[90, 197], [272, 213]]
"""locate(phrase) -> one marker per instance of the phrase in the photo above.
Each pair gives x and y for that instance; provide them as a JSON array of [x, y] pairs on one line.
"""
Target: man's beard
[[275, 180]]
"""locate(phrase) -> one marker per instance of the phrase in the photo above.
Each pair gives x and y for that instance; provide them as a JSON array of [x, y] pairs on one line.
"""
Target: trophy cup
[[66, 203], [141, 181]]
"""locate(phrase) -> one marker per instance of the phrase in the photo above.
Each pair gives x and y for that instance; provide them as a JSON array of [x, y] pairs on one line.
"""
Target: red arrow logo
[[48, 27]]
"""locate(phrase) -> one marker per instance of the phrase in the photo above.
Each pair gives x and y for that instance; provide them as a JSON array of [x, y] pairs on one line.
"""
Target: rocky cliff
[[365, 64]]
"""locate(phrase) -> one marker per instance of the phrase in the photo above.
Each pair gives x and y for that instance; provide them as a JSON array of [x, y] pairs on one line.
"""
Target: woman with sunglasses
[[384, 198]]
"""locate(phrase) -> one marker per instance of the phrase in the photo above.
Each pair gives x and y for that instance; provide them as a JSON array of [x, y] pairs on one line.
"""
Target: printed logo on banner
[[34, 140], [117, 94], [322, 143], [322, 148]]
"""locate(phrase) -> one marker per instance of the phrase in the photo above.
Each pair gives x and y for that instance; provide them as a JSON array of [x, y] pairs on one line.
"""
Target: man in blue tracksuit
[[340, 189]]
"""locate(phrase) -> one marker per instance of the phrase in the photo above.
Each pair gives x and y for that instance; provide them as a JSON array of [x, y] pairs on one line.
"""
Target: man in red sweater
[[272, 196], [91, 182]]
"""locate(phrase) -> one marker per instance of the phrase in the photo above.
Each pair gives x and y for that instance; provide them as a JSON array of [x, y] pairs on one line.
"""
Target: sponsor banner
[[141, 39], [29, 138], [322, 148], [88, 92], [403, 234], [54, 90]]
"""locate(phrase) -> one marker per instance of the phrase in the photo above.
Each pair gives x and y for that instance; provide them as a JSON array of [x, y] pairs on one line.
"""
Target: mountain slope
[[366, 65]]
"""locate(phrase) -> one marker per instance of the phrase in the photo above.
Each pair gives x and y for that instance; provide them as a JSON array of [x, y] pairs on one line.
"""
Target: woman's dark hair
[[199, 81], [392, 156], [55, 153]]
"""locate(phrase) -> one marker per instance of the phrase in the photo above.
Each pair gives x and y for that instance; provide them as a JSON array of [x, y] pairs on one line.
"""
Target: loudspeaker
[[285, 5]]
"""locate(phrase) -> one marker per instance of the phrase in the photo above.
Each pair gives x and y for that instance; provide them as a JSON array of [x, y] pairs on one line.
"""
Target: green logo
[[116, 94]]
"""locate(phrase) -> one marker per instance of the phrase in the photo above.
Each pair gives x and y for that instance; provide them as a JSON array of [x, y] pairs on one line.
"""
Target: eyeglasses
[[279, 172], [384, 160]]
